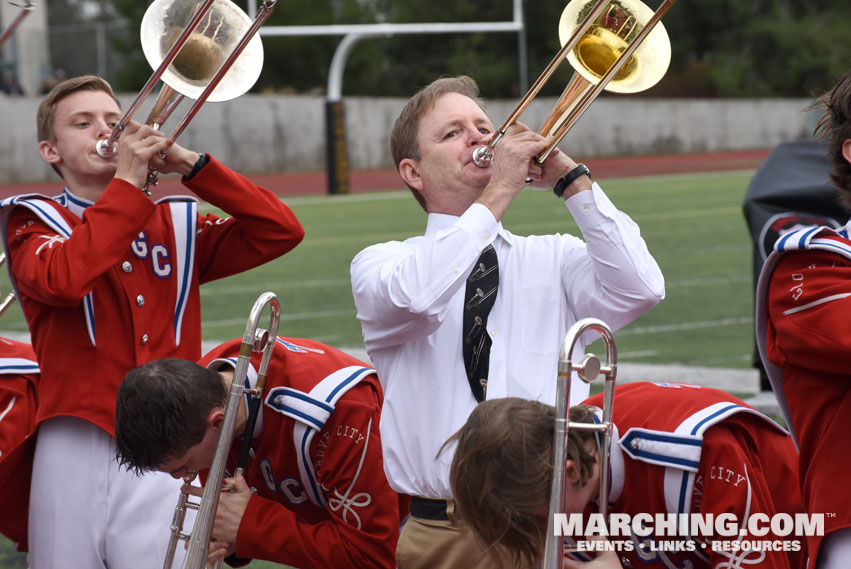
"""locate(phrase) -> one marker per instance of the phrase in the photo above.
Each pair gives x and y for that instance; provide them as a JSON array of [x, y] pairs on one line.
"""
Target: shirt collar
[[75, 203], [250, 383], [439, 221]]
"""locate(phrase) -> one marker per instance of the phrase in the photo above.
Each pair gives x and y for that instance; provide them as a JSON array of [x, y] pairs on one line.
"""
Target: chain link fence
[[88, 48]]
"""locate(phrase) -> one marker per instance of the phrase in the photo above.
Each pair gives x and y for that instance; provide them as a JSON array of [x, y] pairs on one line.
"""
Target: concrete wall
[[256, 133]]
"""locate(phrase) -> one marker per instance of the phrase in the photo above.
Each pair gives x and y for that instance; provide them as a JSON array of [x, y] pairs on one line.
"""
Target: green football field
[[693, 225]]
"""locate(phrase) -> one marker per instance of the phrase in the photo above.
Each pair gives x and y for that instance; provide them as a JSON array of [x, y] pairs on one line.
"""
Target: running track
[[315, 183]]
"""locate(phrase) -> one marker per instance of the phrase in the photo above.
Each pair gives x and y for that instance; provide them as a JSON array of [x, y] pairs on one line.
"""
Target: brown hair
[[403, 136], [502, 471], [161, 411], [47, 107], [834, 127]]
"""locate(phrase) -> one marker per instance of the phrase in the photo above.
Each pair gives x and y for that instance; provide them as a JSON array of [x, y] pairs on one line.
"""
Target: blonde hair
[[502, 471]]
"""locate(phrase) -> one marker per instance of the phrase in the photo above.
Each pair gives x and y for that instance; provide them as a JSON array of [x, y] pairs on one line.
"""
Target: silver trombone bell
[[215, 37]]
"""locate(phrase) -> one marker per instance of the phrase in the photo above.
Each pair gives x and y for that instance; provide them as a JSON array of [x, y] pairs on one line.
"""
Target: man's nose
[[476, 137], [104, 129]]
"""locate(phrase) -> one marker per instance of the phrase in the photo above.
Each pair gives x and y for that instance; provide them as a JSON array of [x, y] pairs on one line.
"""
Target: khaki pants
[[441, 544]]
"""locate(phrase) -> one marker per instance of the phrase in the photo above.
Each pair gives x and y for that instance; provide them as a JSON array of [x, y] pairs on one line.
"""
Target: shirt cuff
[[590, 205]]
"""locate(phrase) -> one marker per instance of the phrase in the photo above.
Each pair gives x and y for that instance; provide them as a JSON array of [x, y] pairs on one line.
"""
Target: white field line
[[285, 317], [214, 290], [679, 326]]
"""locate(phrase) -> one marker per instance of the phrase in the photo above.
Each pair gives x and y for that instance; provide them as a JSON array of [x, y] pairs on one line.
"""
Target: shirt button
[[144, 338], [487, 235], [126, 266], [586, 208], [140, 300], [493, 332], [457, 270]]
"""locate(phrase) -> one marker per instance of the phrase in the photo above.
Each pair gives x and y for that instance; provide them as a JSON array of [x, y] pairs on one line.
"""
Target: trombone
[[254, 339], [616, 45], [587, 370], [207, 51], [26, 8]]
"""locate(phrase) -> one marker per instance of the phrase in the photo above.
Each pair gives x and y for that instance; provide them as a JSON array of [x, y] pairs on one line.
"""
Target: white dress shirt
[[409, 298]]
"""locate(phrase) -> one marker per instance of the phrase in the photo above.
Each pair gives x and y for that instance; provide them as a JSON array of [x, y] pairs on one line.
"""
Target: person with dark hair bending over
[[676, 449], [318, 496], [803, 332]]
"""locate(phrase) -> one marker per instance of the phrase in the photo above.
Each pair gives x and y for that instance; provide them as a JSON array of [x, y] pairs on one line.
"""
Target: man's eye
[[112, 124], [451, 134], [82, 124], [484, 130]]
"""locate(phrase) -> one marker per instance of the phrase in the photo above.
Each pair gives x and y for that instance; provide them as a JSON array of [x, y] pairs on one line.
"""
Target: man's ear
[[216, 419], [48, 152], [571, 472], [846, 150], [409, 169]]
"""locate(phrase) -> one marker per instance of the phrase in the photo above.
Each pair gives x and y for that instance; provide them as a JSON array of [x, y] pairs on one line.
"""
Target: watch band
[[202, 161], [566, 180]]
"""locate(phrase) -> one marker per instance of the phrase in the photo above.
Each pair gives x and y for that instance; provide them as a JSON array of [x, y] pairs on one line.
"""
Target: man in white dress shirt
[[411, 297]]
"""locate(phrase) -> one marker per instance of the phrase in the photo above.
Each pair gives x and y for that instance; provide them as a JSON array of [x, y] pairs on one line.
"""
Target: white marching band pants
[[86, 512]]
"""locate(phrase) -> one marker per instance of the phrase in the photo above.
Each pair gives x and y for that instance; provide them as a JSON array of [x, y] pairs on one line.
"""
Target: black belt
[[429, 508]]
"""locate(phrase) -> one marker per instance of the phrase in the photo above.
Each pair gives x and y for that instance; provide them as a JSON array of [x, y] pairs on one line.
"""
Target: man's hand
[[218, 551], [178, 159], [138, 145], [512, 164], [556, 165], [232, 504]]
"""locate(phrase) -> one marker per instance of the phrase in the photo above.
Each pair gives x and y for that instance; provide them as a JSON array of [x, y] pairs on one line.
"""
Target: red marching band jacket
[[110, 285], [316, 463], [18, 402]]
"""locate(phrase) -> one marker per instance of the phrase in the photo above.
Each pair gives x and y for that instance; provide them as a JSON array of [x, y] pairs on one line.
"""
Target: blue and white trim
[[679, 481], [48, 213], [17, 366], [311, 411], [812, 238], [183, 216]]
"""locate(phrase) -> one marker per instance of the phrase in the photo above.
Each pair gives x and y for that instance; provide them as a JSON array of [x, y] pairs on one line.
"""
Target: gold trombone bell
[[616, 45], [609, 36]]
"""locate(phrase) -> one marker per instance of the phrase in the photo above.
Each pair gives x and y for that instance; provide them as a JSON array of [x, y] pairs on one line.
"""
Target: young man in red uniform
[[318, 497], [676, 449], [108, 279], [18, 382], [804, 336]]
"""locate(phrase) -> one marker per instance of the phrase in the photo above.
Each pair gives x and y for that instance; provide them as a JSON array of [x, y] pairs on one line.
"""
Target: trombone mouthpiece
[[106, 150], [483, 156]]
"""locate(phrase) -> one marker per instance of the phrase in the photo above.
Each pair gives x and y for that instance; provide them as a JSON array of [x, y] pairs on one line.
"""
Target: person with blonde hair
[[676, 449]]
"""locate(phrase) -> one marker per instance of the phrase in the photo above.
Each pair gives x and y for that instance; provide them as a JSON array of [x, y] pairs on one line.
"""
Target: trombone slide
[[587, 370]]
